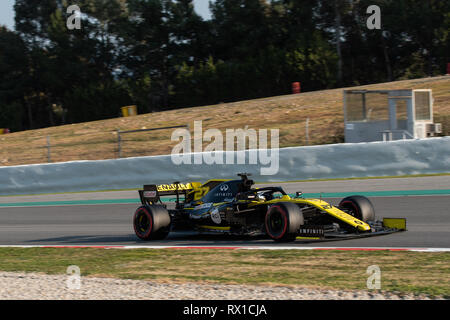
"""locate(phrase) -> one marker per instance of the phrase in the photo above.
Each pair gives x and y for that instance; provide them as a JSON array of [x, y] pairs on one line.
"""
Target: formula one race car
[[235, 207]]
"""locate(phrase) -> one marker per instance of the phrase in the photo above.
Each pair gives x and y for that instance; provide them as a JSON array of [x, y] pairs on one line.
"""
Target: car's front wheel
[[151, 222], [358, 206], [283, 220]]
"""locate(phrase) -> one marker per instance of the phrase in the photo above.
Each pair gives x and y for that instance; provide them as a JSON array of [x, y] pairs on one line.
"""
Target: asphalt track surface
[[428, 219]]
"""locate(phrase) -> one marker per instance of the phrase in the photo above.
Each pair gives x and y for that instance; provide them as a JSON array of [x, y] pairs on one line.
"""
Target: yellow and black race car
[[235, 207]]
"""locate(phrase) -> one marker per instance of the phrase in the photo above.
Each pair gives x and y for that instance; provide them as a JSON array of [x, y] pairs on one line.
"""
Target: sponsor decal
[[174, 187], [311, 231], [195, 216], [215, 216], [223, 194], [203, 206], [149, 194]]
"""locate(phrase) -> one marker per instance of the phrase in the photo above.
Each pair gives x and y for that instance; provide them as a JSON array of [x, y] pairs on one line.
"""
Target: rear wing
[[153, 192]]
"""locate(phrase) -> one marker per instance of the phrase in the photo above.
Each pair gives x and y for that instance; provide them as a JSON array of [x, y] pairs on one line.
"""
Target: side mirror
[[298, 194]]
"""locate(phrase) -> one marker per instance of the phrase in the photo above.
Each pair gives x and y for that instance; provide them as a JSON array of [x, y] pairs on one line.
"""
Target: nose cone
[[363, 227]]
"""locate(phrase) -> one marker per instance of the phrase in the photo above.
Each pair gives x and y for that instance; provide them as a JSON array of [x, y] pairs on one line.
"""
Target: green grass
[[401, 272]]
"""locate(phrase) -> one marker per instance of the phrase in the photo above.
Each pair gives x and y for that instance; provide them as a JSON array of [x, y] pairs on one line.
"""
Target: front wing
[[326, 233], [378, 228]]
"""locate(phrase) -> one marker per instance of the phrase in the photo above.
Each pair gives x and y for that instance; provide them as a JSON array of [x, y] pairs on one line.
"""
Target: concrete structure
[[344, 160], [386, 115]]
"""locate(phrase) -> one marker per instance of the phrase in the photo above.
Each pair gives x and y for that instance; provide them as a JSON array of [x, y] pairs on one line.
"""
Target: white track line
[[235, 248]]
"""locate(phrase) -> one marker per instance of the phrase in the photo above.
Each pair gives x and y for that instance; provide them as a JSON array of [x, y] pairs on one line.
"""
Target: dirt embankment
[[98, 140]]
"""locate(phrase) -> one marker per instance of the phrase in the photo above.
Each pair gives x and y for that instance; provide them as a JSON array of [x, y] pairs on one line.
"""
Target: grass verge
[[401, 272]]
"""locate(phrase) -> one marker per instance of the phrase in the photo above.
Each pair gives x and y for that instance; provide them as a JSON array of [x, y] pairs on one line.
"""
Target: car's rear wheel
[[151, 222], [283, 220], [358, 206]]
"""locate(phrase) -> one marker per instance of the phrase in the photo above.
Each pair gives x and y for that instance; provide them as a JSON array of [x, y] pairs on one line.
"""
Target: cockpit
[[241, 190]]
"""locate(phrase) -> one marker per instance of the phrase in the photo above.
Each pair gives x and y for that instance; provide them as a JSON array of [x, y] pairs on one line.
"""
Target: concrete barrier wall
[[312, 162]]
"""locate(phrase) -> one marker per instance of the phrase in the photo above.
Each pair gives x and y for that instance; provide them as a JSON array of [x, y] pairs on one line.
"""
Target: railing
[[89, 145], [388, 134], [120, 133]]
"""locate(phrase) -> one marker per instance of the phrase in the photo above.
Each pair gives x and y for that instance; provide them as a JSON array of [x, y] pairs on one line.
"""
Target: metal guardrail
[[49, 147]]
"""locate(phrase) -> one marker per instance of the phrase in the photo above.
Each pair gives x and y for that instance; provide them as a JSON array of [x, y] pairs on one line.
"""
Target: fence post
[[119, 143], [307, 131], [49, 159]]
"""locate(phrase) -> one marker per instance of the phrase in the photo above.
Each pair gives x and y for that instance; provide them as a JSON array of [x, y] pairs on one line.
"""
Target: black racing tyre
[[358, 206], [283, 220], [151, 222]]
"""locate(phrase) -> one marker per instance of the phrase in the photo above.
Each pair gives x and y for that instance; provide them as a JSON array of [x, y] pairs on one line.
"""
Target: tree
[[158, 38], [159, 54], [13, 79], [65, 63]]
